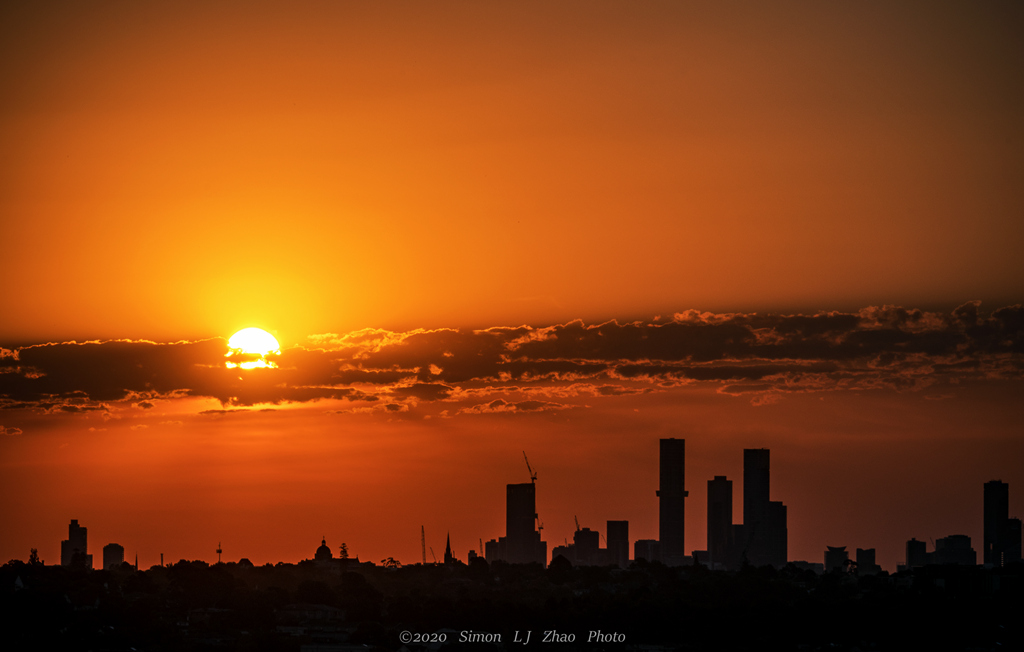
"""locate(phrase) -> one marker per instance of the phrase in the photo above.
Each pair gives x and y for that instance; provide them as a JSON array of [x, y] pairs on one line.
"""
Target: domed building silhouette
[[323, 553]]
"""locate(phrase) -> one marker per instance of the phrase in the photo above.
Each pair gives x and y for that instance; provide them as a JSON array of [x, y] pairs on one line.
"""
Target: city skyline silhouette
[[759, 540], [422, 279]]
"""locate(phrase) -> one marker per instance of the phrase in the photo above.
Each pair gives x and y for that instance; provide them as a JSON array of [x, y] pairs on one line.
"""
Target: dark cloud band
[[877, 347]]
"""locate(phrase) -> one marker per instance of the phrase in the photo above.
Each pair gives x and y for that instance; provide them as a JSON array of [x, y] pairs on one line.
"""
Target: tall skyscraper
[[672, 507], [618, 542], [1001, 534], [756, 484], [765, 533], [522, 540], [719, 520], [75, 549], [996, 511]]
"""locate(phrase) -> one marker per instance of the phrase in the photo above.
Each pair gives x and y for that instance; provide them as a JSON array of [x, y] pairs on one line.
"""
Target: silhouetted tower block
[[522, 540], [865, 556], [866, 562], [996, 513], [494, 550], [1012, 546], [618, 542], [835, 558], [113, 555], [917, 554], [765, 533], [776, 534], [1001, 542], [74, 551], [756, 484], [719, 521], [672, 506], [586, 543], [647, 549]]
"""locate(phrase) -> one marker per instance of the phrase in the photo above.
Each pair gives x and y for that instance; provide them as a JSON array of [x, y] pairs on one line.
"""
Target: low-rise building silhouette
[[866, 562], [646, 549], [954, 549], [113, 555], [836, 558], [323, 552]]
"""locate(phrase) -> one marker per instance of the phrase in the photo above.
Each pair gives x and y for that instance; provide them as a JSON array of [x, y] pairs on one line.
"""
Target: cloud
[[527, 368], [502, 406], [9, 431]]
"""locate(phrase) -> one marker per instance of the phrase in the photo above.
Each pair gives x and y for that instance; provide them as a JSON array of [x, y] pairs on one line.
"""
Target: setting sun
[[252, 346]]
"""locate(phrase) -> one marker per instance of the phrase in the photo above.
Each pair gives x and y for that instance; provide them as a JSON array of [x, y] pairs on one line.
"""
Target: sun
[[249, 348]]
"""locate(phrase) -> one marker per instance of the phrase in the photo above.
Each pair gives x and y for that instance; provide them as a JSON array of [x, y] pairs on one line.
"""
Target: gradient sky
[[419, 200]]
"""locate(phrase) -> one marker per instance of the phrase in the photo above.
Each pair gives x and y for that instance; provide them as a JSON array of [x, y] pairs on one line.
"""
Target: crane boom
[[423, 544], [533, 475]]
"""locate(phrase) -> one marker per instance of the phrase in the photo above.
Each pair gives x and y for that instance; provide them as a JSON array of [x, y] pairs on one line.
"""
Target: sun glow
[[249, 349]]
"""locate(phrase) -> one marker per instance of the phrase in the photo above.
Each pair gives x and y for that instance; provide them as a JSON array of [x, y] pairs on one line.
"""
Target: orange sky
[[176, 172]]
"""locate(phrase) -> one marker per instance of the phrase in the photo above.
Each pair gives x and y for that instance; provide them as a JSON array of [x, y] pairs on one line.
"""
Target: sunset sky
[[476, 229]]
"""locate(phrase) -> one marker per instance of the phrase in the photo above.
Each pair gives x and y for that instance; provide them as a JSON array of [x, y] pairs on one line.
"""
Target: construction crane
[[533, 474], [423, 544], [481, 547], [432, 554], [533, 479], [577, 522]]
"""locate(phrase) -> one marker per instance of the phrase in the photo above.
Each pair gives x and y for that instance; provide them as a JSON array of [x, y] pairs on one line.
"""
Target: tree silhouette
[[344, 551]]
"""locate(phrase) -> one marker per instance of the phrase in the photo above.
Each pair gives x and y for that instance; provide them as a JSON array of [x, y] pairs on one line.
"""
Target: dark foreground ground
[[345, 606]]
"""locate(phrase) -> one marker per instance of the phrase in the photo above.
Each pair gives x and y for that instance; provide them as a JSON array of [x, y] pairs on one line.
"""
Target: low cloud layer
[[528, 369]]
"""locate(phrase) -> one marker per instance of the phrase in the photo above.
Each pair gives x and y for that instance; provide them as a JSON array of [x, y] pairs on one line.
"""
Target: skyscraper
[[75, 549], [672, 507], [1001, 534], [522, 540], [719, 520], [756, 484], [764, 531], [618, 542], [996, 511]]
